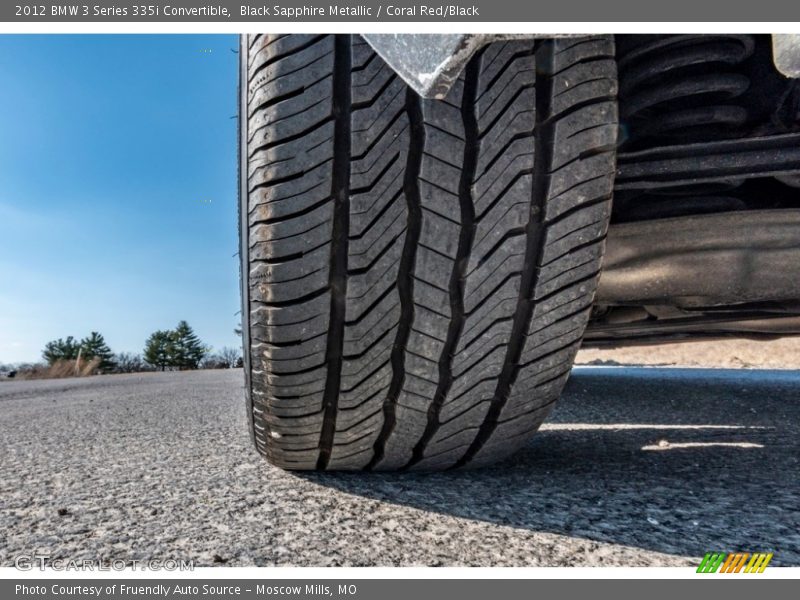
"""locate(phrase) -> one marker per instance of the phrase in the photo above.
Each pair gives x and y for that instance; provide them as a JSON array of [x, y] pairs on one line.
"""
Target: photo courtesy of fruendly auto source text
[[370, 300]]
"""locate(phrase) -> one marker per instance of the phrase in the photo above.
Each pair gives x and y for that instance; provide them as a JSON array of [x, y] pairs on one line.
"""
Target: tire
[[417, 274]]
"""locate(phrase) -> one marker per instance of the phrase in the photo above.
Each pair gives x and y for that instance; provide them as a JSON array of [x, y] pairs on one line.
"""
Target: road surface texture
[[635, 467]]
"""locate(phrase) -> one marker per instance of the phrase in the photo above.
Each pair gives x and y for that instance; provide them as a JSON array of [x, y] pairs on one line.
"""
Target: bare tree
[[230, 356], [128, 362]]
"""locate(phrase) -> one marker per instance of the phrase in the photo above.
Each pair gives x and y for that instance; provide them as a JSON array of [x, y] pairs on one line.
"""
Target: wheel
[[417, 275]]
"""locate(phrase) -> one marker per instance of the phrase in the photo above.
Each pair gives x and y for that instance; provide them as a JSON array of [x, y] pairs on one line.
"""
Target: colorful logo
[[720, 562]]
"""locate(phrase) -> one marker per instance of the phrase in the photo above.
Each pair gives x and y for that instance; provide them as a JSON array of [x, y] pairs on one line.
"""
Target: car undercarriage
[[704, 238]]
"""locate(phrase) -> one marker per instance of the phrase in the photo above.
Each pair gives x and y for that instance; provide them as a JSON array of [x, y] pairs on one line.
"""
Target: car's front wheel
[[417, 274]]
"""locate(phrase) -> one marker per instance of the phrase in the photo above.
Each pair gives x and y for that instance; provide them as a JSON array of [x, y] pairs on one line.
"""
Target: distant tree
[[94, 346], [187, 349], [226, 358], [158, 349], [178, 348], [61, 350], [230, 356], [128, 362], [213, 361]]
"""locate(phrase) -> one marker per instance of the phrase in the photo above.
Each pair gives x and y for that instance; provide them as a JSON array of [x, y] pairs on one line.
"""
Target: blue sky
[[117, 189]]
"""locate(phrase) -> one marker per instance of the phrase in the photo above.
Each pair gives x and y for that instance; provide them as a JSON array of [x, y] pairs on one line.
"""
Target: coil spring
[[683, 85], [681, 89]]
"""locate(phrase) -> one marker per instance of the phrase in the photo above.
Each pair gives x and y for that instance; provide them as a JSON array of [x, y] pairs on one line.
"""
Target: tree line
[[168, 349]]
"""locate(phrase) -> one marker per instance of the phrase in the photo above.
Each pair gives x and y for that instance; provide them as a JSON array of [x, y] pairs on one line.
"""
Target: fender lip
[[431, 62], [786, 54]]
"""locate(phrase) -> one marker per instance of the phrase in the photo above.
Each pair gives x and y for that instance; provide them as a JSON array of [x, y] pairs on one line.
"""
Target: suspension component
[[681, 166], [683, 86], [679, 90]]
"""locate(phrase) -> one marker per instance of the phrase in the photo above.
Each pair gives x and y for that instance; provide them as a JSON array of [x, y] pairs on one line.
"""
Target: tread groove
[[458, 273], [339, 246], [405, 278]]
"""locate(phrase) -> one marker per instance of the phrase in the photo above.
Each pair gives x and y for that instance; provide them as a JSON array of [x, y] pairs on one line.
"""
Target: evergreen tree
[[187, 349], [158, 349], [94, 346], [179, 348], [61, 350]]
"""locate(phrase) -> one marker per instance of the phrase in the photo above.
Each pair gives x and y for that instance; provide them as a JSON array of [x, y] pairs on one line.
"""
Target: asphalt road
[[635, 467]]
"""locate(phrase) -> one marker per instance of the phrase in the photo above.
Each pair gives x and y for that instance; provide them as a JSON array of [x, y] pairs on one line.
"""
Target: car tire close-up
[[417, 274]]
